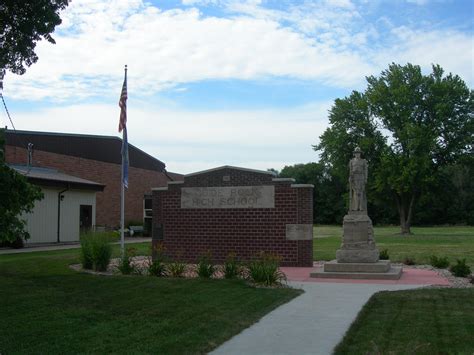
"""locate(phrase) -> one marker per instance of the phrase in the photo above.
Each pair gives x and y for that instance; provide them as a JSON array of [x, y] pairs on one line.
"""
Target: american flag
[[123, 104], [123, 127]]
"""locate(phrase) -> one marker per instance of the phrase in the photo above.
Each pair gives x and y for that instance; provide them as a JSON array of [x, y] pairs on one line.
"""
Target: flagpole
[[122, 196]]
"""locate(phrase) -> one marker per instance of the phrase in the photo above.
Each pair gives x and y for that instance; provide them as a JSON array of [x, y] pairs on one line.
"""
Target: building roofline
[[80, 135], [230, 167]]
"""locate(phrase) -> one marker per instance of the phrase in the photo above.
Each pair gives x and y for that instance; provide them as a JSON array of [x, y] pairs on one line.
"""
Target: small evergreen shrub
[[125, 265], [176, 268], [205, 268], [439, 262], [409, 261], [96, 251], [461, 269], [231, 268], [263, 270], [384, 255]]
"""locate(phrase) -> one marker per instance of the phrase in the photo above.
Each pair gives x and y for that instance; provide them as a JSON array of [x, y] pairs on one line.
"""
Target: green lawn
[[48, 308], [453, 242], [430, 321]]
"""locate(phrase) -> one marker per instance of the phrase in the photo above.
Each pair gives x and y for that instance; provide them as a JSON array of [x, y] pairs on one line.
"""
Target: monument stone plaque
[[228, 197]]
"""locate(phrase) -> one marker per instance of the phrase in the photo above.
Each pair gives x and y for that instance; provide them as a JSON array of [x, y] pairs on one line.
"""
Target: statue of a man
[[357, 181]]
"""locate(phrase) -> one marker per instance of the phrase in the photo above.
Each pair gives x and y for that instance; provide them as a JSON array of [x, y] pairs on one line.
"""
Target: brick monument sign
[[235, 210]]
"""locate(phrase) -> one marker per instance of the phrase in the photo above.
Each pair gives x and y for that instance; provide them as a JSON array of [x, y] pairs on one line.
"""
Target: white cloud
[[451, 49], [327, 41], [189, 141], [418, 2], [165, 48]]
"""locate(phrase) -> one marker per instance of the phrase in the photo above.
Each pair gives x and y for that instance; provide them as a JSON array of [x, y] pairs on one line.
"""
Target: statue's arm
[[366, 171]]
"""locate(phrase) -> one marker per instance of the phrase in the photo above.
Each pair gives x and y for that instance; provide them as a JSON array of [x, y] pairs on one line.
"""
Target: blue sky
[[216, 82]]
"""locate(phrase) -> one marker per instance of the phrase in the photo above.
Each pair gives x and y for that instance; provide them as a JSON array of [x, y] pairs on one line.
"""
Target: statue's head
[[357, 152]]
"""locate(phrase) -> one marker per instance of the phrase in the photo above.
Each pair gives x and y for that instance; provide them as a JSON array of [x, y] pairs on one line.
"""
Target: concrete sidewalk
[[312, 323], [51, 247]]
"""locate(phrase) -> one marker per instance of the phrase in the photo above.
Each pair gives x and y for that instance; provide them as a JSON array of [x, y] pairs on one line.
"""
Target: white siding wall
[[70, 213], [42, 223]]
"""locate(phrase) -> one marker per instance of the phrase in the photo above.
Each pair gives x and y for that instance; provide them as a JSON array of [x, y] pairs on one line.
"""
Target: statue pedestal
[[358, 245], [358, 257]]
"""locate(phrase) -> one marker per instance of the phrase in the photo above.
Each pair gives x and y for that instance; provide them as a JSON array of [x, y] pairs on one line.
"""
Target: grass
[[453, 242], [48, 308], [429, 321]]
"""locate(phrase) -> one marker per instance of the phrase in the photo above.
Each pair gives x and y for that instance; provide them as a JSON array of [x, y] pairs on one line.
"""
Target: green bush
[[176, 268], [384, 255], [409, 261], [125, 265], [231, 268], [205, 268], [87, 257], [157, 268], [263, 270], [439, 262], [96, 251], [156, 264], [461, 269]]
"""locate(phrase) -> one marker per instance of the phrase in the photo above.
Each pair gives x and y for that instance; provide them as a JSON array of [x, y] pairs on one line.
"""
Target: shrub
[[101, 251], [409, 261], [156, 266], [96, 251], [384, 255], [439, 262], [231, 268], [176, 269], [87, 257], [264, 270], [205, 268], [125, 265], [461, 269]]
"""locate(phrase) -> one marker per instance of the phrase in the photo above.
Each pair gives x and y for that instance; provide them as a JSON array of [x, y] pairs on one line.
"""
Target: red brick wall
[[189, 233], [108, 202]]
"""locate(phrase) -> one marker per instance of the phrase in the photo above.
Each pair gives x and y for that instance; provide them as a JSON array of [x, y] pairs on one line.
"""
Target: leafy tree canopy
[[409, 126], [328, 206], [22, 24]]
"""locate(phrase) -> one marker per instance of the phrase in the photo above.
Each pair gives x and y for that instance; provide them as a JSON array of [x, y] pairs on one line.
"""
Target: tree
[[410, 126], [22, 24], [328, 206], [17, 196]]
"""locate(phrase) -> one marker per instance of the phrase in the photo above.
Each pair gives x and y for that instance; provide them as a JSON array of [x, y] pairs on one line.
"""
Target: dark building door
[[85, 218]]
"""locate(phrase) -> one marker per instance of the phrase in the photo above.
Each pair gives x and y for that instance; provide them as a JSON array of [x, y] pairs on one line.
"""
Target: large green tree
[[22, 24], [409, 125]]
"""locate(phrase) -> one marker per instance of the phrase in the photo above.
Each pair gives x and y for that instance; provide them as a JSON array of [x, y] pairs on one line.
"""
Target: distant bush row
[[460, 269]]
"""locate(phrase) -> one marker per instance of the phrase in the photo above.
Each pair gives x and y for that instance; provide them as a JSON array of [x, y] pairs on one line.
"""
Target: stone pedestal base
[[381, 270], [358, 245], [357, 255]]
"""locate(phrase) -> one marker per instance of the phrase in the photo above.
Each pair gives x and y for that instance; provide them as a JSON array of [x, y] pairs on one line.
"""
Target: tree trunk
[[405, 211]]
